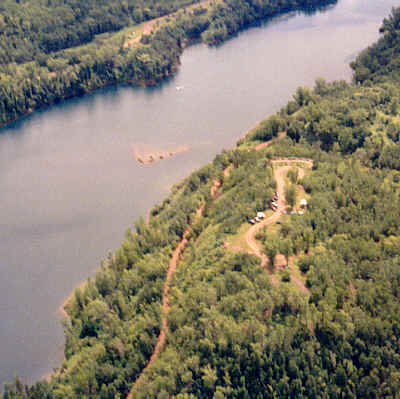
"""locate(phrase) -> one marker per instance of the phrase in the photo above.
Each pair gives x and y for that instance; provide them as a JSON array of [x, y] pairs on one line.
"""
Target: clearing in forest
[[246, 239], [148, 27]]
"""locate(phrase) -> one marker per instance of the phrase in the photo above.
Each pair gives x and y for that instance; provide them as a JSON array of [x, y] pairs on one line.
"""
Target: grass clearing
[[237, 241]]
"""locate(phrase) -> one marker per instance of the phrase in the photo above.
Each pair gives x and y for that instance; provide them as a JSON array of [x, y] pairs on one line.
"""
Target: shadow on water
[[313, 9], [301, 10], [272, 20], [71, 184], [113, 93]]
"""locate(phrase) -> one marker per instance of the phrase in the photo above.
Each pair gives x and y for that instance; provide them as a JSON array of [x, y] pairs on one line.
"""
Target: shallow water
[[71, 185]]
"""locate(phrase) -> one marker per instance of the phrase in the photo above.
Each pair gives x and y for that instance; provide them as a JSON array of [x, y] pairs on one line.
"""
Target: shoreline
[[151, 82], [131, 81], [61, 308]]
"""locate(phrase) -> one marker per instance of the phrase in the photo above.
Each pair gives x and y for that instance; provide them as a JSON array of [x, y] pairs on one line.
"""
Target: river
[[70, 184]]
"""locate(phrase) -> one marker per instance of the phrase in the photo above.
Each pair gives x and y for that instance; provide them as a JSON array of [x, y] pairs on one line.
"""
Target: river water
[[70, 184]]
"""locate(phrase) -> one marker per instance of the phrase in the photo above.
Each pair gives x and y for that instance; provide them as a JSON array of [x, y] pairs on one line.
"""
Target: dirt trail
[[149, 26], [270, 142], [214, 188], [353, 288], [279, 174], [302, 287], [173, 263], [250, 236], [146, 29]]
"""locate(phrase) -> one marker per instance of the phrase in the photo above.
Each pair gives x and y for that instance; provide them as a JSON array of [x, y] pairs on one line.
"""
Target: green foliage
[[55, 25], [293, 175], [54, 50], [291, 194], [285, 276], [270, 246], [231, 333], [244, 192], [380, 61], [268, 128]]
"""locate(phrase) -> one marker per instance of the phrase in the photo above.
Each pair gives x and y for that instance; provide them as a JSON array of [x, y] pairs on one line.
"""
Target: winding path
[[173, 263], [279, 174], [250, 236], [270, 142]]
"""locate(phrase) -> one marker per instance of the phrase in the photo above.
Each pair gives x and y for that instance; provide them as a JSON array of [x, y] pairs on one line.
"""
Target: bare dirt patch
[[148, 27], [280, 172], [270, 142], [250, 235], [145, 29], [353, 289]]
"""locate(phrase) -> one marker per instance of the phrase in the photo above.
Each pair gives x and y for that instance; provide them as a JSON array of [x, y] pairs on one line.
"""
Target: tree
[[271, 250], [291, 194], [286, 248], [293, 175]]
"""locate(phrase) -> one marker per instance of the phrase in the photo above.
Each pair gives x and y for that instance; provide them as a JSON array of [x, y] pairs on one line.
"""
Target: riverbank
[[62, 308], [146, 62], [104, 192]]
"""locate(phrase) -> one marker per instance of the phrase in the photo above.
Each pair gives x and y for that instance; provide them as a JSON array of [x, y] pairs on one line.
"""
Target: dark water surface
[[70, 185]]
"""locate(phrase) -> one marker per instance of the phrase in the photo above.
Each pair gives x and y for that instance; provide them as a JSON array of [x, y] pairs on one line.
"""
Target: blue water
[[70, 185]]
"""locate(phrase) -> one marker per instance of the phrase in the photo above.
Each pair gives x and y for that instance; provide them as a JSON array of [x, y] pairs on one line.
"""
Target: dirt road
[[173, 263], [279, 175], [250, 236], [270, 142]]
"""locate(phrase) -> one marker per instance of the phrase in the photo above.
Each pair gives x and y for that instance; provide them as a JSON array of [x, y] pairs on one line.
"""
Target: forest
[[58, 49], [321, 320]]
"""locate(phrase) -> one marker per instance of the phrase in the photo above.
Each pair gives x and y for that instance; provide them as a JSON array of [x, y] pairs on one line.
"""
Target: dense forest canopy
[[327, 325], [31, 29], [58, 49], [381, 61]]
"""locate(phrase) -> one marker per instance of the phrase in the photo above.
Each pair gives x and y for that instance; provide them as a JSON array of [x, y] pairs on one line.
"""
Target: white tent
[[303, 202]]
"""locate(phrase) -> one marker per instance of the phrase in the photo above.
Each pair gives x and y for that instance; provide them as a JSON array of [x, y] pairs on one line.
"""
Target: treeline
[[232, 334], [32, 29], [344, 118], [114, 320], [41, 76], [380, 61], [235, 336]]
